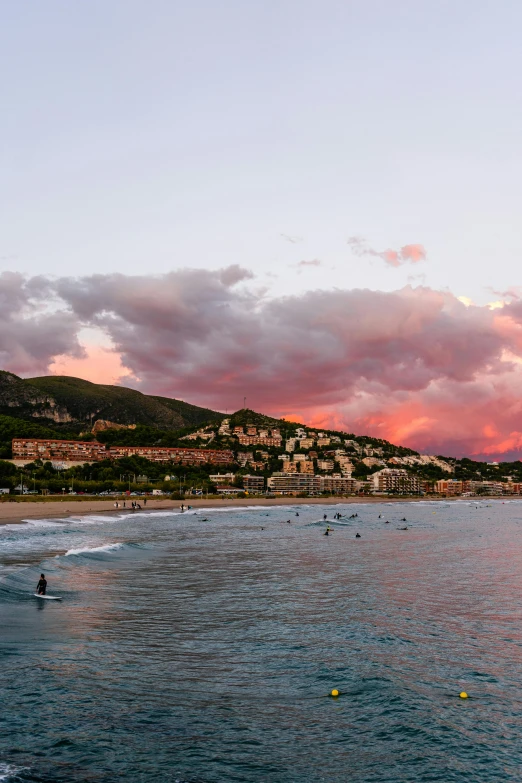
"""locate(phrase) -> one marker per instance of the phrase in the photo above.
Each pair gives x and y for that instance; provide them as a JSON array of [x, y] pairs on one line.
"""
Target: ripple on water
[[205, 651]]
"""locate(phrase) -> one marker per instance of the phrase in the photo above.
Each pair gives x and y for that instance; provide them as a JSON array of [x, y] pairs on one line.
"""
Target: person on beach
[[41, 587]]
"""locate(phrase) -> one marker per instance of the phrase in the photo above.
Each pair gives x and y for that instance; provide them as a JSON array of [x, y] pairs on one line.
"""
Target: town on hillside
[[246, 453]]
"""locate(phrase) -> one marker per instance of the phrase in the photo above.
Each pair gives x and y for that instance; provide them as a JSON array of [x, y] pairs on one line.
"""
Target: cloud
[[31, 332], [293, 240], [415, 366], [313, 262], [408, 254], [234, 274]]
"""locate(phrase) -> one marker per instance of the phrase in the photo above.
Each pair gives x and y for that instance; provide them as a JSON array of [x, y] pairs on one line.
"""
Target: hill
[[72, 405]]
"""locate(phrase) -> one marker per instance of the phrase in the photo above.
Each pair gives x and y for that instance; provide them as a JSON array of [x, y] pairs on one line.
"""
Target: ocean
[[202, 647]]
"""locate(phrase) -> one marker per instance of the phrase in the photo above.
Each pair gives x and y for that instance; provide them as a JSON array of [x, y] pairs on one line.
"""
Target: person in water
[[41, 587]]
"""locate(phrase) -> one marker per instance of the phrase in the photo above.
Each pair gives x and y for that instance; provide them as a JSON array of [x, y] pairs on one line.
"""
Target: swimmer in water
[[357, 535]]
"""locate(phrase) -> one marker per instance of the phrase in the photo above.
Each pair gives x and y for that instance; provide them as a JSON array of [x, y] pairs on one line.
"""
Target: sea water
[[202, 647]]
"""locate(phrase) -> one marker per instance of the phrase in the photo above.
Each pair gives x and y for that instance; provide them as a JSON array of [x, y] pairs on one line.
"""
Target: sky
[[311, 204]]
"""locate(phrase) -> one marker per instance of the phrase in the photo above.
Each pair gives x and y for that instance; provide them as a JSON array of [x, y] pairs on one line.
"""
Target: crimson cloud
[[416, 366]]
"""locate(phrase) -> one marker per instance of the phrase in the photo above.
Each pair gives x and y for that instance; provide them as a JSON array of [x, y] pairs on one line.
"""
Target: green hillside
[[65, 407]]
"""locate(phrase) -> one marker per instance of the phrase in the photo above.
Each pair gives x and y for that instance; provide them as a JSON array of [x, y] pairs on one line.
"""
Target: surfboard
[[49, 597]]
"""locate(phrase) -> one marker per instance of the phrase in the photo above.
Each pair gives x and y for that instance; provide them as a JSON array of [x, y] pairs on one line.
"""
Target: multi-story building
[[370, 462], [92, 451], [165, 454], [511, 488], [29, 449], [345, 464], [224, 428], [486, 487], [322, 442], [245, 456], [284, 484], [300, 458], [338, 485], [258, 465], [254, 484], [273, 439], [395, 480], [289, 466], [449, 487], [325, 464], [306, 467], [306, 443], [222, 478]]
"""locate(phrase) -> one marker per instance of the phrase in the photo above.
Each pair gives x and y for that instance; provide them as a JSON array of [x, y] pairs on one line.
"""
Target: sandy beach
[[18, 511]]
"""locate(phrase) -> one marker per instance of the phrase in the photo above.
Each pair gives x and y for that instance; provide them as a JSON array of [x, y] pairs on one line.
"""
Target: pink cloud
[[411, 254], [415, 366]]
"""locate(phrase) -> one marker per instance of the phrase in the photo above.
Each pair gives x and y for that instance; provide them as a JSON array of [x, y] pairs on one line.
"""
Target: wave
[[87, 550], [10, 773]]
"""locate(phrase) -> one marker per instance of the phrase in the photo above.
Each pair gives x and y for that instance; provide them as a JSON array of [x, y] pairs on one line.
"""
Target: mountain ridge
[[73, 404]]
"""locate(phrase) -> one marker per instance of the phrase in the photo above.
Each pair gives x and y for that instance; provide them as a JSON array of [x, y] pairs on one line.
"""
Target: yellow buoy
[[335, 692], [463, 695]]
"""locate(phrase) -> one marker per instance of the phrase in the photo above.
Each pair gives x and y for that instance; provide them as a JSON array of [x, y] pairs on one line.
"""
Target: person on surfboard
[[41, 587]]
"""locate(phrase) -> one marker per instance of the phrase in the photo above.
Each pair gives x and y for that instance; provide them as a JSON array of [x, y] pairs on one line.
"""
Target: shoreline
[[18, 512]]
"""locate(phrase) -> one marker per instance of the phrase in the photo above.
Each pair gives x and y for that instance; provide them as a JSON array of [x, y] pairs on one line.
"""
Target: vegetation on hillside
[[134, 474], [67, 407]]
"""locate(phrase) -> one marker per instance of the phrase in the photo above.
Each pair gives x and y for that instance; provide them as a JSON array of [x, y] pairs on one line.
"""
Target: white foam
[[7, 771], [85, 550]]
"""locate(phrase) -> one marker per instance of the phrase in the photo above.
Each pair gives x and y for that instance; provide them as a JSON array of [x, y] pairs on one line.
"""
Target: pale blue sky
[[145, 136]]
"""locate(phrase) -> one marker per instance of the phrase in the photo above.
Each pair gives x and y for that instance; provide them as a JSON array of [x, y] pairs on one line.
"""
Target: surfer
[[41, 587]]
